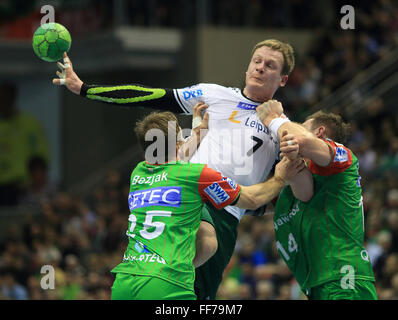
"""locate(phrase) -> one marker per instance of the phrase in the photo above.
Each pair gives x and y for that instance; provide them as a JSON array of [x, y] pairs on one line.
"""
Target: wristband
[[276, 123], [196, 122], [83, 90]]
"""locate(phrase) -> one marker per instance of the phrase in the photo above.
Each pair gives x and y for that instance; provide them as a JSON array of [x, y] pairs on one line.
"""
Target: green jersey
[[322, 240], [165, 204]]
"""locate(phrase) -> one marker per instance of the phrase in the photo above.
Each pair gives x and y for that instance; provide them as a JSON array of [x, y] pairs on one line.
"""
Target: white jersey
[[237, 144]]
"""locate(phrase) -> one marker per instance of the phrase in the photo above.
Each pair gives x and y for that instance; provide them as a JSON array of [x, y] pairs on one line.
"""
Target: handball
[[50, 41]]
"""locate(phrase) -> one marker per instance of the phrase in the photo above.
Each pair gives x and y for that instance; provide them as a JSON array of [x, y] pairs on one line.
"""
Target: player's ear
[[321, 132], [284, 80]]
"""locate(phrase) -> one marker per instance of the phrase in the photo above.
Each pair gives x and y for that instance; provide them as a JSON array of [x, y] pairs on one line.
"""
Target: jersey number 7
[[258, 144]]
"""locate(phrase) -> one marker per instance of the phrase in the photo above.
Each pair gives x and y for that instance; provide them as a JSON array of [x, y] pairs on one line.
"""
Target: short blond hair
[[165, 121], [284, 48]]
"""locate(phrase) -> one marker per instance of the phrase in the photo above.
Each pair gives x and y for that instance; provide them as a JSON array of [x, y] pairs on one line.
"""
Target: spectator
[[10, 289], [39, 189], [21, 137]]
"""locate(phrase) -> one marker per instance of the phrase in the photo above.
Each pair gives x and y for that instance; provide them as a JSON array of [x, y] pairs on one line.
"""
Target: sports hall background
[[77, 220]]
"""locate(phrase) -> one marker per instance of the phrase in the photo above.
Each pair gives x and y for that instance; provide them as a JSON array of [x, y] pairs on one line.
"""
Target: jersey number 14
[[292, 247]]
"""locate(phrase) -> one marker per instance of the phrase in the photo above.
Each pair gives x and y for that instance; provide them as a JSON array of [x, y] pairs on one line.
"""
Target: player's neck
[[156, 162], [257, 95]]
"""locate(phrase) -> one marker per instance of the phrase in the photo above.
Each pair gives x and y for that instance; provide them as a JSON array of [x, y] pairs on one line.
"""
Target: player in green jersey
[[321, 240], [165, 200]]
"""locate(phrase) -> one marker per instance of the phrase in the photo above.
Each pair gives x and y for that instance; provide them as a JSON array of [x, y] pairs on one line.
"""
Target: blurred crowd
[[19, 17], [83, 238]]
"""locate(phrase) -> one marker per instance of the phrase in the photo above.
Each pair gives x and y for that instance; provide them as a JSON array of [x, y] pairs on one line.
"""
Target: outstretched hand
[[68, 77]]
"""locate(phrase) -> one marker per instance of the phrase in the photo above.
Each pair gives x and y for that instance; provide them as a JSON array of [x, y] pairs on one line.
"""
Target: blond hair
[[284, 48]]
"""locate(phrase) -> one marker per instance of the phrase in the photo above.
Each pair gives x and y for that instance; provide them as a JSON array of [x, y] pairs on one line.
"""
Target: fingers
[[300, 164], [290, 155], [57, 82], [199, 108], [67, 61], [287, 136], [202, 107], [297, 165], [289, 142]]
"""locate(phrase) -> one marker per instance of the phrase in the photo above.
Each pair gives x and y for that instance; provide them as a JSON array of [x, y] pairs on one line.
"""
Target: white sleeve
[[189, 96]]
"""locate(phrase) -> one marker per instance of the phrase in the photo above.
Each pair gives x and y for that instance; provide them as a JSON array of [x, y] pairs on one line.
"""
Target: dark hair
[[163, 121], [8, 89], [336, 128], [37, 162]]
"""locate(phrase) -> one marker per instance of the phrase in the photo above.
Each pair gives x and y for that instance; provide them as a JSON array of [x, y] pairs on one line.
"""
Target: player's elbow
[[253, 203], [304, 188], [305, 196], [206, 244]]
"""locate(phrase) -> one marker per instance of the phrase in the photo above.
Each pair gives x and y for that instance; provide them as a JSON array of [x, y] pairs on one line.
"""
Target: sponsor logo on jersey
[[260, 127], [257, 125], [286, 217], [231, 182], [216, 193], [189, 94], [140, 247], [148, 257], [149, 180], [341, 155], [246, 106], [161, 196]]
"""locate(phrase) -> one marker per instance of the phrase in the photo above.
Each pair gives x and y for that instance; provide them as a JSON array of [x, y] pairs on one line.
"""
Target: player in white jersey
[[237, 143]]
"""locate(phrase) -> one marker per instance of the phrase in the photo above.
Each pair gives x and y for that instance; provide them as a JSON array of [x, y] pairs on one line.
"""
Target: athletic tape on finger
[[62, 82], [66, 63]]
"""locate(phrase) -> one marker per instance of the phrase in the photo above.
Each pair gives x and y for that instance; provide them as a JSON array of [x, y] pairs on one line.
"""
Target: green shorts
[[135, 287], [363, 290], [208, 277]]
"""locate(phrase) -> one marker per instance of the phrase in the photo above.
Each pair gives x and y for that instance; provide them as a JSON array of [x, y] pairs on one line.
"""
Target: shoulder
[[341, 160], [209, 88]]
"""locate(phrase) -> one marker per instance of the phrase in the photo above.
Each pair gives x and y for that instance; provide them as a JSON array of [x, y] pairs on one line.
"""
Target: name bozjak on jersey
[[149, 179], [286, 218]]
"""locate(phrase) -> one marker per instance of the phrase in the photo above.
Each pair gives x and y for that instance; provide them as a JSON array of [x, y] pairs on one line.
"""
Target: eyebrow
[[268, 58]]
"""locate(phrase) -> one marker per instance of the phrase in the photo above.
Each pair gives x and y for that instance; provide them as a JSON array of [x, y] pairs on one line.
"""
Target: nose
[[260, 68]]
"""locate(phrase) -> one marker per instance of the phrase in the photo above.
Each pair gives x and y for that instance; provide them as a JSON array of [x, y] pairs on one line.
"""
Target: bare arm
[[198, 133], [125, 95], [310, 146], [255, 196], [206, 243], [303, 185]]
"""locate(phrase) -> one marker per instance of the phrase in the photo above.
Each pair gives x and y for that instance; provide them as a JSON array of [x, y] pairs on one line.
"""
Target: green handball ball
[[50, 41]]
